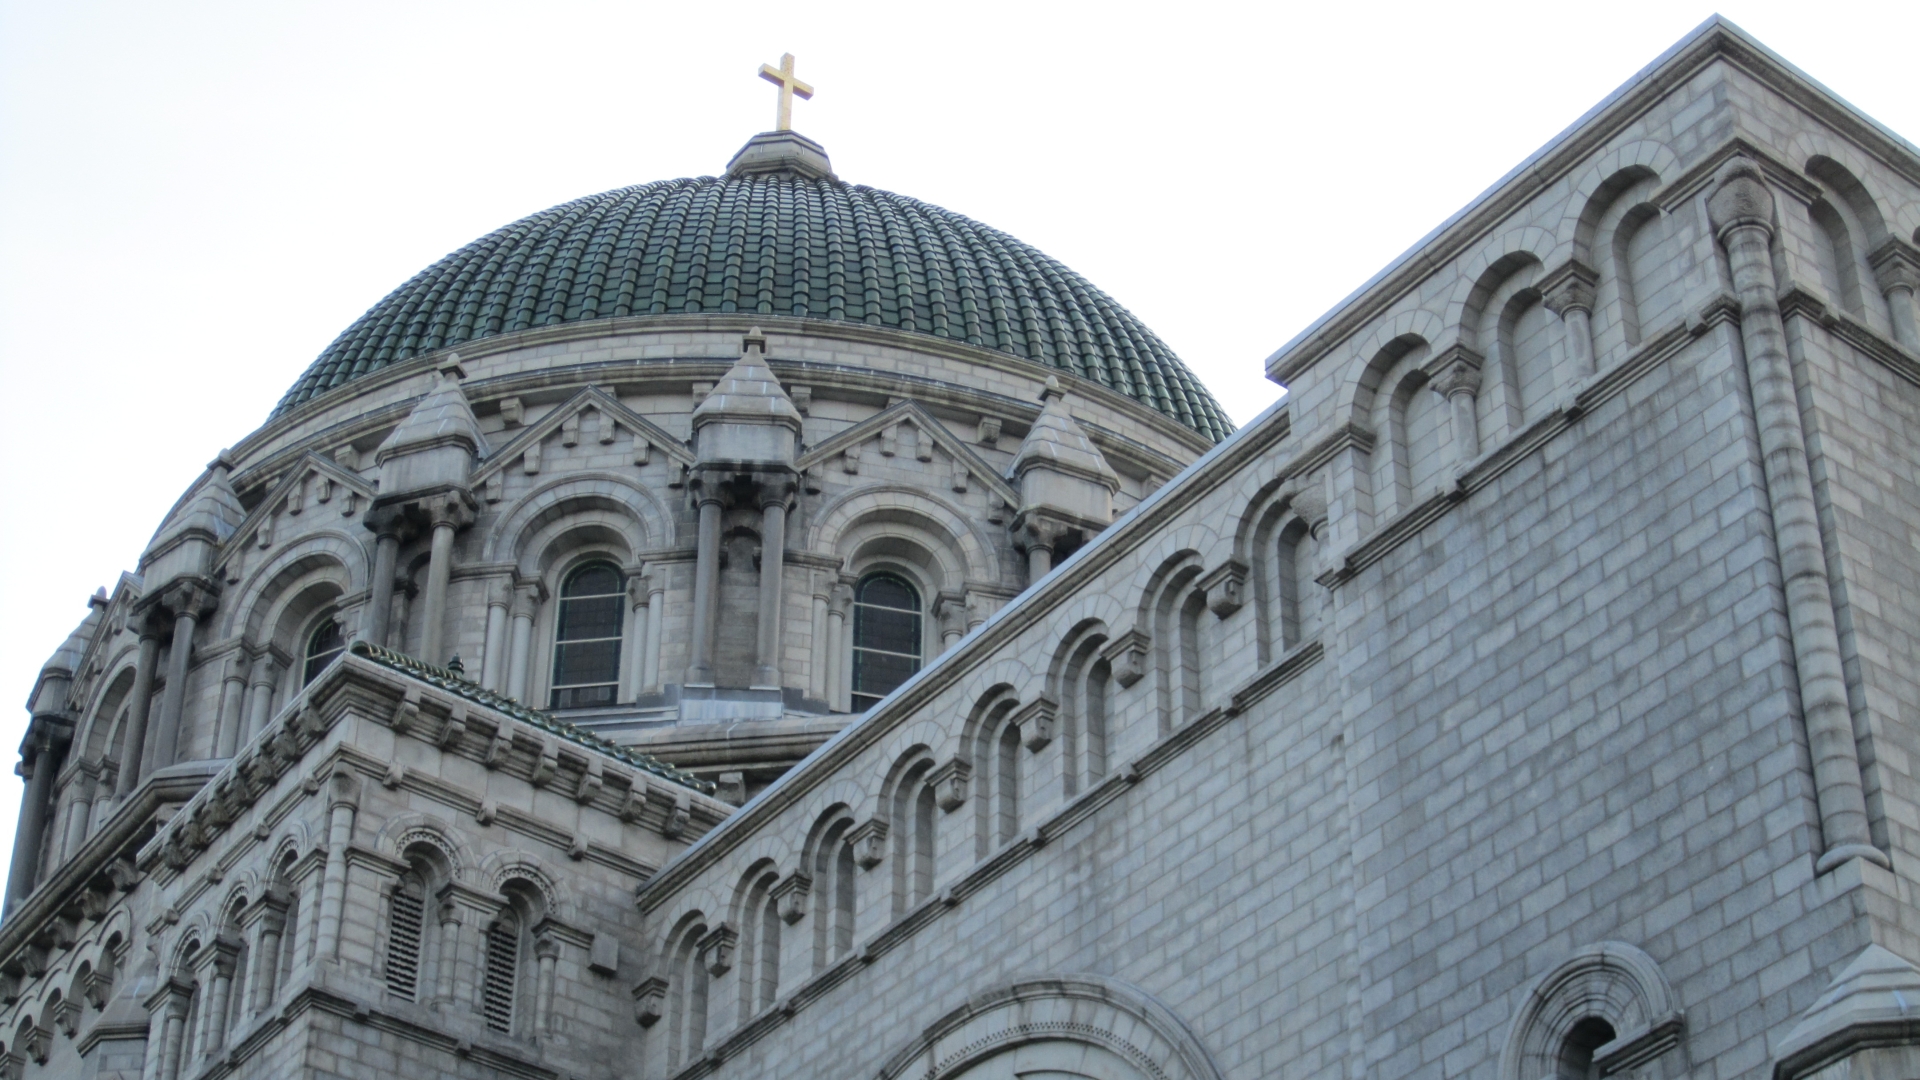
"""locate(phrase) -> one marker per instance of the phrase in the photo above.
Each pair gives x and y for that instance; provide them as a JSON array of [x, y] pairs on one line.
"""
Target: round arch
[[627, 506], [1055, 1021]]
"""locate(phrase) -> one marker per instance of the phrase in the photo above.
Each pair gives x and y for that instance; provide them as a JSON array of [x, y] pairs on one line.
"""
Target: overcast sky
[[196, 197]]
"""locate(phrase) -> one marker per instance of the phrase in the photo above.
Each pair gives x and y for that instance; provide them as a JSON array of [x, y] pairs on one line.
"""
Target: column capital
[[1740, 199], [528, 595], [1569, 287], [1458, 377], [1896, 265]]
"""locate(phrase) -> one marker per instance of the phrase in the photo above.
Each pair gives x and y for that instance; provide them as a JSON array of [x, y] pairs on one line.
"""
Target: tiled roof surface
[[479, 695], [776, 244]]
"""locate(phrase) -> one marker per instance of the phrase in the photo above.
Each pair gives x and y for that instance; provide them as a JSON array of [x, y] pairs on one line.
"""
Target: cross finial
[[790, 88]]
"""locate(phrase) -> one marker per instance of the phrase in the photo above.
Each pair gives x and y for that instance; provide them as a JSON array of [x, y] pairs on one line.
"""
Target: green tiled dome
[[769, 244]]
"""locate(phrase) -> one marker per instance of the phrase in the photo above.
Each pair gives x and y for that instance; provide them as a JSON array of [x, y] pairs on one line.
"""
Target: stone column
[[1568, 292], [31, 829], [838, 646], [439, 572], [260, 695], [656, 613], [951, 610], [166, 742], [343, 801], [269, 918], [633, 661], [446, 983], [817, 677], [526, 601], [79, 811], [226, 954], [166, 1024], [547, 952], [134, 742], [1741, 209], [773, 554], [493, 657], [233, 715], [1459, 386], [706, 591], [103, 794], [386, 556], [1896, 269]]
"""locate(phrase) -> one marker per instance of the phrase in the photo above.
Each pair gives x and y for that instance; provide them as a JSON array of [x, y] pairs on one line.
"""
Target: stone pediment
[[937, 435], [648, 436], [313, 482]]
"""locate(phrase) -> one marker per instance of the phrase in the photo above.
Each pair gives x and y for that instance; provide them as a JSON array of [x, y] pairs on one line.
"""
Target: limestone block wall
[[1551, 724]]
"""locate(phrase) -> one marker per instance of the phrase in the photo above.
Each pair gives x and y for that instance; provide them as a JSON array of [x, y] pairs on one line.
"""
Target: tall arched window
[[326, 642], [586, 651], [502, 973], [886, 636]]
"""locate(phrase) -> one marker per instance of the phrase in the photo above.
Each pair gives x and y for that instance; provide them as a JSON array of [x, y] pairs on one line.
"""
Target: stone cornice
[[1715, 41], [1138, 526]]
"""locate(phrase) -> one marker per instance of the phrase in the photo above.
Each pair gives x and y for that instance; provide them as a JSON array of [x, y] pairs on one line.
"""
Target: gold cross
[[790, 88]]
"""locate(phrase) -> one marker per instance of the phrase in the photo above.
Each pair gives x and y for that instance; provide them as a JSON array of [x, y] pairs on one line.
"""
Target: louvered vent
[[503, 955], [403, 944]]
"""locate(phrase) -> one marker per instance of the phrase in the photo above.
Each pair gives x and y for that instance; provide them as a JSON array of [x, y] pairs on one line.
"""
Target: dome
[[778, 243]]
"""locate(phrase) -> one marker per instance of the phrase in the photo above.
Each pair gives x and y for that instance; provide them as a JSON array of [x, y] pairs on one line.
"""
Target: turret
[[1066, 486], [424, 467], [44, 749], [183, 551], [746, 435]]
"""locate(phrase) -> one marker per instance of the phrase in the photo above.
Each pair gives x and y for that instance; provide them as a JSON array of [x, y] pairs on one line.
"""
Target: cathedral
[[762, 626]]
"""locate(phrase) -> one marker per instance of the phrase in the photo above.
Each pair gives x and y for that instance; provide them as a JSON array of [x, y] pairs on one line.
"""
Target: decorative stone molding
[[1127, 656]]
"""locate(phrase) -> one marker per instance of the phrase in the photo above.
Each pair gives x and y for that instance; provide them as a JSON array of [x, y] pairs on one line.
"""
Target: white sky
[[196, 197]]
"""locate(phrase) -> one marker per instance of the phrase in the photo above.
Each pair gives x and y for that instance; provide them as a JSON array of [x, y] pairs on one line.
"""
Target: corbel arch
[[1839, 168]]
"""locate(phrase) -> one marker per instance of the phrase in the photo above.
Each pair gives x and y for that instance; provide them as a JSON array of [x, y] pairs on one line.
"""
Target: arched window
[[502, 975], [325, 643], [886, 637], [407, 916], [586, 651]]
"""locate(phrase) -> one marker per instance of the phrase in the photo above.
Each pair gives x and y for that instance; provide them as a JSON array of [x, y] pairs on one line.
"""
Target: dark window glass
[[586, 650], [325, 643], [886, 636]]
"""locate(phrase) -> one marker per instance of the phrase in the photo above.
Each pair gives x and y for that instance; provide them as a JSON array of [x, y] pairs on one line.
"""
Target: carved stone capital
[[717, 948], [950, 783], [789, 897], [1226, 587], [1036, 720], [1896, 265], [1569, 287], [869, 840], [1458, 377], [1127, 656], [648, 997], [1741, 198]]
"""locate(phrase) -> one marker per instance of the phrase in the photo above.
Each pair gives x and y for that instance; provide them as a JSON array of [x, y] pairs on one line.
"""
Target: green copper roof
[[770, 244]]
